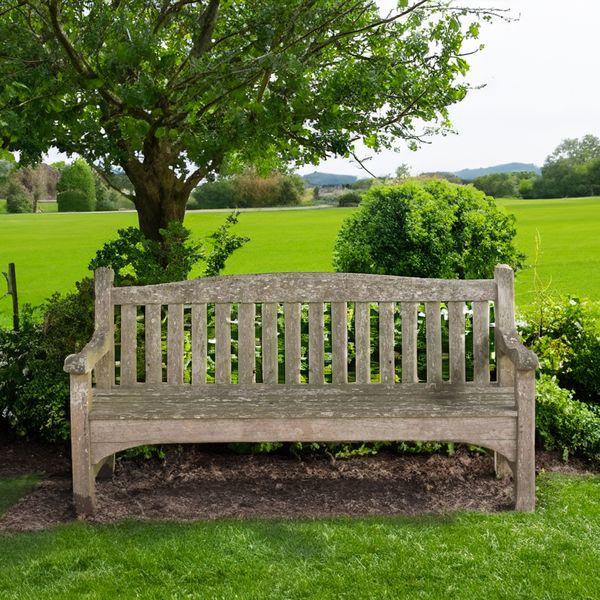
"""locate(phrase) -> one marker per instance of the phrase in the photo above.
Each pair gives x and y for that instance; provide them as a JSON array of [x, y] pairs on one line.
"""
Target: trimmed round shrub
[[18, 199], [427, 229], [73, 201]]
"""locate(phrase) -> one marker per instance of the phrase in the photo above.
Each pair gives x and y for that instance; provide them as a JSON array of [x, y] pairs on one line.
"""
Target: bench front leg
[[84, 496], [525, 464]]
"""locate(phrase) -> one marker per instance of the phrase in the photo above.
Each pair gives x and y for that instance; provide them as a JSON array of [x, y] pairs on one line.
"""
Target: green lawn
[[551, 554], [51, 251]]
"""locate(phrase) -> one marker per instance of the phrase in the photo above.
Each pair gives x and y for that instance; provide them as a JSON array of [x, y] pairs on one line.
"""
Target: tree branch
[[208, 20]]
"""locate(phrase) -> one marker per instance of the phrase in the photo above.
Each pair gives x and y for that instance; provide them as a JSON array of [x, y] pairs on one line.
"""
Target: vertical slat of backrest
[[152, 331], [481, 342], [316, 343], [128, 344], [291, 311], [270, 367], [246, 343], [386, 342], [362, 341], [223, 343], [199, 343], [434, 342], [505, 319], [105, 321], [409, 342], [456, 331], [339, 342], [175, 344]]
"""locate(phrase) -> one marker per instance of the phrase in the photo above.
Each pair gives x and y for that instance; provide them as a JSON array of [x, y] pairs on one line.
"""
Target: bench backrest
[[302, 328]]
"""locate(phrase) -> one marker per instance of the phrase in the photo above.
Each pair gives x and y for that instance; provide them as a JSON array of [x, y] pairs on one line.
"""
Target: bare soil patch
[[199, 482]]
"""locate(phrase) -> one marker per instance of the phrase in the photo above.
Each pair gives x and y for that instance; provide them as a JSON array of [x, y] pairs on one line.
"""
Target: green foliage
[[34, 389], [565, 424], [106, 198], [156, 87], [430, 229], [224, 244], [498, 185], [349, 199], [566, 337], [76, 189], [18, 199], [249, 191]]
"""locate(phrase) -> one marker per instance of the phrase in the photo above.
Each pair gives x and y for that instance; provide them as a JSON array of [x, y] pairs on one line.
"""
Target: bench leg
[[525, 467], [84, 496], [105, 468], [502, 466]]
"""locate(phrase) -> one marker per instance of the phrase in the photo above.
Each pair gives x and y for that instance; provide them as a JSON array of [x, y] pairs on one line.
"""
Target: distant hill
[[327, 179], [469, 174]]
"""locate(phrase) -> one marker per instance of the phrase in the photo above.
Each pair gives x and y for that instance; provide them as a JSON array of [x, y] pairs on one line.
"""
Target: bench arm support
[[509, 343], [92, 352]]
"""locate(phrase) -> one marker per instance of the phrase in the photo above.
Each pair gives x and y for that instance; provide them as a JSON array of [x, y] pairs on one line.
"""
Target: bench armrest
[[84, 361], [509, 343]]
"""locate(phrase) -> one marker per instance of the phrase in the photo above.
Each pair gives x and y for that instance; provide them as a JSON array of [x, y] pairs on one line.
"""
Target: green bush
[[566, 337], [18, 199], [106, 198], [76, 189], [565, 424], [429, 229], [349, 199]]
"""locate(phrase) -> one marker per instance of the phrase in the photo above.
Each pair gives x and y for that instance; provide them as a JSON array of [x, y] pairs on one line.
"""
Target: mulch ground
[[198, 482]]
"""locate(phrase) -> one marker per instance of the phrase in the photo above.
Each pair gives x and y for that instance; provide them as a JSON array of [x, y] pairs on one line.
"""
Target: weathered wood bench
[[305, 367]]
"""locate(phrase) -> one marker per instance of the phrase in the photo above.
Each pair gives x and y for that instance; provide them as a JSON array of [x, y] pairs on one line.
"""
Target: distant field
[[51, 251]]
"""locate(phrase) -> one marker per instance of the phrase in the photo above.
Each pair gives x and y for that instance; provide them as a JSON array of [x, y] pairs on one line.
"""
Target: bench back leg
[[83, 472], [525, 467], [105, 468]]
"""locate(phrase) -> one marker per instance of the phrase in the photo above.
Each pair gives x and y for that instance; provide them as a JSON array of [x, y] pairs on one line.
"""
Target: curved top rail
[[308, 287]]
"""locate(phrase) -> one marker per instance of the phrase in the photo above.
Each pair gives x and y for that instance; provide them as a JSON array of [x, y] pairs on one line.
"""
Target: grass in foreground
[[553, 553], [14, 487]]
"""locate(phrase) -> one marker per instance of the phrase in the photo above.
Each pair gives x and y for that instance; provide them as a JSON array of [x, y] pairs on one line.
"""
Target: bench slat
[[128, 344], [316, 348], [269, 342], [199, 343], [291, 311], [152, 324], [456, 315], [434, 342], [246, 343], [481, 342], [409, 342], [362, 341], [175, 343], [386, 342], [223, 343], [339, 342]]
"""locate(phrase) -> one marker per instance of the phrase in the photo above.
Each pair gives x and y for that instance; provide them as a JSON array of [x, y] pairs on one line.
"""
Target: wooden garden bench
[[302, 357]]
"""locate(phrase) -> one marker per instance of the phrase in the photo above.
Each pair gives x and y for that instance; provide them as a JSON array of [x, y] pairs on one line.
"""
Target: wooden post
[[11, 280], [105, 321], [83, 472], [505, 320], [525, 467]]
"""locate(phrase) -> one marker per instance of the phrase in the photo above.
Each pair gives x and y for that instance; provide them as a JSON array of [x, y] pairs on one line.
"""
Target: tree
[[170, 91], [18, 199], [76, 190], [402, 171], [430, 229], [498, 185]]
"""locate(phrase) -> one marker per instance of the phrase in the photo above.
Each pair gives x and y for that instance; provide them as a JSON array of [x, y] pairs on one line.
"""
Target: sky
[[542, 85]]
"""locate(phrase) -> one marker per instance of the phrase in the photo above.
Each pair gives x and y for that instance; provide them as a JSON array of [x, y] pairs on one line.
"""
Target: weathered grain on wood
[[481, 342], [316, 346], [199, 343], [175, 343], [223, 343], [362, 341], [409, 342], [525, 467], [105, 321], [291, 312], [152, 326], [504, 311], [456, 334], [246, 343], [386, 342], [339, 342], [434, 342], [128, 344], [270, 367]]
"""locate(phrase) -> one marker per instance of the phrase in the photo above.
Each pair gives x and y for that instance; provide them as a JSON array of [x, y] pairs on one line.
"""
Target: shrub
[[76, 190], [349, 199], [430, 229], [566, 337], [106, 198], [18, 199], [565, 424]]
